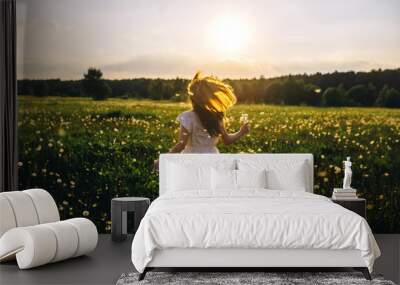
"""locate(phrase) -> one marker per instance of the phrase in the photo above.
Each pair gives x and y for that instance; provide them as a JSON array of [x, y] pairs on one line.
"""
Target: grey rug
[[233, 278]]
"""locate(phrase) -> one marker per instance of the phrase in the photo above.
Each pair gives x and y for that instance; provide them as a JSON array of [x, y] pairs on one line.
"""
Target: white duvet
[[250, 219]]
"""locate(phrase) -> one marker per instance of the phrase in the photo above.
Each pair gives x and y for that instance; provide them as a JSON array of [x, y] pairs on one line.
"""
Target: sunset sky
[[159, 38]]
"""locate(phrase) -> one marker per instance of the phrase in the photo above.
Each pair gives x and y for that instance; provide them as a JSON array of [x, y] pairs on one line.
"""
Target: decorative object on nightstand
[[347, 192], [343, 194], [119, 208], [347, 173], [357, 205]]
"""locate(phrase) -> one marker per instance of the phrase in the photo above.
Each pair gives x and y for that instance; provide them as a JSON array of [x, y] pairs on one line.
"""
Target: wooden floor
[[110, 260]]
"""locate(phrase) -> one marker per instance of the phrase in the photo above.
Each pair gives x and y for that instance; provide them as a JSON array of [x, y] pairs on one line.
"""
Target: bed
[[245, 211]]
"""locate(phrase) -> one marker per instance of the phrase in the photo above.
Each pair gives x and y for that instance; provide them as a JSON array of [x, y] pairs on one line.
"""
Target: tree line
[[380, 88]]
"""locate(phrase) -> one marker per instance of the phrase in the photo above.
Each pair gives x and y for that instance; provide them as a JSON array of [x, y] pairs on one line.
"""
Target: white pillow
[[183, 177], [227, 179], [288, 175], [223, 179], [251, 178], [293, 178]]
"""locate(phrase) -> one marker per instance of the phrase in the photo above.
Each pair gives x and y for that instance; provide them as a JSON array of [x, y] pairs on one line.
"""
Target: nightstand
[[357, 205], [119, 208]]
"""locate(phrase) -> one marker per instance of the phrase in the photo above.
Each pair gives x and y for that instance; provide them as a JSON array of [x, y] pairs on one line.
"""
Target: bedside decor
[[347, 174], [347, 192], [339, 193], [119, 208]]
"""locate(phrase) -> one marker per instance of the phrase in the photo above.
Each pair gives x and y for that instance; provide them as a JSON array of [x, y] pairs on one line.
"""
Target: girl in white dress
[[203, 127]]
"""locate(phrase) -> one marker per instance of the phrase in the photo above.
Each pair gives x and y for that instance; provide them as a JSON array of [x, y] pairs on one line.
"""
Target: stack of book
[[340, 193]]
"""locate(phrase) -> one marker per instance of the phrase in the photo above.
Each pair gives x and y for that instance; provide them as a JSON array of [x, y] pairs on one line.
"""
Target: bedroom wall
[[87, 147]]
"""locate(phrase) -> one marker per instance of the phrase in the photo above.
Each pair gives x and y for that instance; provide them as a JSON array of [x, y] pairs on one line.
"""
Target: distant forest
[[380, 88]]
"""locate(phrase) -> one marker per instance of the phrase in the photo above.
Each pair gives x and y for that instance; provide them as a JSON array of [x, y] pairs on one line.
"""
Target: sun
[[229, 35]]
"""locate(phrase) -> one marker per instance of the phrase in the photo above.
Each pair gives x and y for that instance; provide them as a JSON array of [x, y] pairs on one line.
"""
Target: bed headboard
[[213, 159]]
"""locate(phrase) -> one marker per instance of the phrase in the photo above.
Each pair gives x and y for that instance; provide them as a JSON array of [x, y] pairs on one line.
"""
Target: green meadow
[[86, 152]]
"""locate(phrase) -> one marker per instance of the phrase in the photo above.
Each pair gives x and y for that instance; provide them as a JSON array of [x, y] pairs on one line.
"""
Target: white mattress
[[253, 219]]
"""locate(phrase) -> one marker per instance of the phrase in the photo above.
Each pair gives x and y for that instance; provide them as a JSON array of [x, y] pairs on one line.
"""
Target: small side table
[[357, 205], [119, 208]]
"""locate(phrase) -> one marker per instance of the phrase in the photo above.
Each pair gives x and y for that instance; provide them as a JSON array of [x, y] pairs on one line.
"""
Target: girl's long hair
[[210, 99], [211, 121]]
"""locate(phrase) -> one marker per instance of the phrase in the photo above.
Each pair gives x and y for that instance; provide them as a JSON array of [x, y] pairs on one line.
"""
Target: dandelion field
[[86, 152]]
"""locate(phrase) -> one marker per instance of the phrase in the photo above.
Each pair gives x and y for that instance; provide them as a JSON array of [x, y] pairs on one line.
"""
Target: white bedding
[[251, 218]]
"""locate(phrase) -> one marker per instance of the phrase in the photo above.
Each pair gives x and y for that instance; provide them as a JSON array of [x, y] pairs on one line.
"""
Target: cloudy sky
[[169, 38]]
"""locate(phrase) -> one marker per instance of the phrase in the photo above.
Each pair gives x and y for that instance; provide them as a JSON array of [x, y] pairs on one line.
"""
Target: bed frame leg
[[364, 271], [143, 274]]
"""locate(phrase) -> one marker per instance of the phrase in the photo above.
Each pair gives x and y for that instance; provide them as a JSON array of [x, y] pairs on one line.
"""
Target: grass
[[86, 152]]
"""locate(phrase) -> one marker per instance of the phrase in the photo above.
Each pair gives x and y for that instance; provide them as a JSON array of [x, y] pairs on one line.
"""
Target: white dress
[[199, 140]]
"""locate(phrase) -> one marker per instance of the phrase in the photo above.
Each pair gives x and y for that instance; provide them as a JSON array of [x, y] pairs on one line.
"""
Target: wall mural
[[100, 88]]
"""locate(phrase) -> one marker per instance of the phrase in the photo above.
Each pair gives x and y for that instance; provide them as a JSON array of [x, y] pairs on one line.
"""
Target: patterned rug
[[243, 278]]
